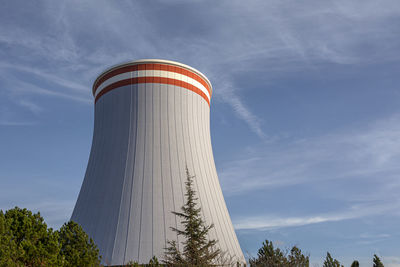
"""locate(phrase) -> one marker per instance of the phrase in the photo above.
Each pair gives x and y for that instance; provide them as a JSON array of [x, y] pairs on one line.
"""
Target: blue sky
[[305, 115]]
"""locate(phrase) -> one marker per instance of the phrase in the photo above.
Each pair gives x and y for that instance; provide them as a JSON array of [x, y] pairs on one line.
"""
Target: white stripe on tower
[[152, 73]]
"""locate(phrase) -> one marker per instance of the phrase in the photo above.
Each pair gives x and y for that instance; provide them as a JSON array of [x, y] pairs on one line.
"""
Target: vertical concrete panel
[[146, 231], [158, 220], [184, 145], [115, 169], [100, 194], [176, 149], [186, 160], [168, 189], [126, 221], [200, 175], [180, 128], [120, 242], [189, 142], [133, 239]]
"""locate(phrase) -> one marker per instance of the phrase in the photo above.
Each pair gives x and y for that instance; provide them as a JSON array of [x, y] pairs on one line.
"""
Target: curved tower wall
[[152, 118]]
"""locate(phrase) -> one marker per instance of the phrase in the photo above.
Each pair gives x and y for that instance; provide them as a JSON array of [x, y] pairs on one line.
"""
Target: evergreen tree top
[[197, 249], [377, 261], [331, 262]]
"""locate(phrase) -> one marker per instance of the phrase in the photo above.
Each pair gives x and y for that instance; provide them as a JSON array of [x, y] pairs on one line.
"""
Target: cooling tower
[[152, 119]]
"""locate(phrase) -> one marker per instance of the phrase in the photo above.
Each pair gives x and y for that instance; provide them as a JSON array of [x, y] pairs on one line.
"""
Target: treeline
[[274, 257], [25, 240]]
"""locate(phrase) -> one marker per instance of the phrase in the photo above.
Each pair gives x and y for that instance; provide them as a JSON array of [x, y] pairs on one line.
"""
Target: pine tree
[[197, 250], [355, 264], [77, 248], [298, 259], [377, 262], [331, 262], [274, 257], [269, 256], [25, 240]]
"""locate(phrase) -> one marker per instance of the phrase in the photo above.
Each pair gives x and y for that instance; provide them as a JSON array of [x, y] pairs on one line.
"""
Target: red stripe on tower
[[194, 85]]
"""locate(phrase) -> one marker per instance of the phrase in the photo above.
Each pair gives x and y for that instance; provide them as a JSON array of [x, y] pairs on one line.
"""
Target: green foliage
[[377, 262], [154, 262], [331, 262], [197, 250], [77, 249], [355, 264], [298, 259], [269, 256], [274, 257], [26, 241], [8, 247], [132, 264]]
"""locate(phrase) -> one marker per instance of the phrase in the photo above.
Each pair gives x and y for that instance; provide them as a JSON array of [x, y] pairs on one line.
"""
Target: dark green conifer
[[297, 259], [377, 261], [77, 248], [269, 256], [331, 262], [25, 240], [197, 249]]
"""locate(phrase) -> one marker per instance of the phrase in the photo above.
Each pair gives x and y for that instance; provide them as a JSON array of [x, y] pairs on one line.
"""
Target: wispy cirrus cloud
[[54, 79], [30, 106], [368, 152], [20, 88], [228, 94], [284, 37], [269, 222]]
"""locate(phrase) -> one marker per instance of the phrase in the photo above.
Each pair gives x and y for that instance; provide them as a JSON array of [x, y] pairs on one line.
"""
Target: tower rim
[[150, 61]]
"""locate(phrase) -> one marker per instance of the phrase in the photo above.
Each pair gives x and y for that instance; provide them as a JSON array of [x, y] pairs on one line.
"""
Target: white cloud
[[30, 106], [21, 88], [391, 261], [235, 37], [55, 79], [370, 152], [228, 94], [273, 222]]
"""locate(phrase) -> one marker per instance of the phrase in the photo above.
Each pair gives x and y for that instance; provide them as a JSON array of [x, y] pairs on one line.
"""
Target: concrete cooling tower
[[152, 119]]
